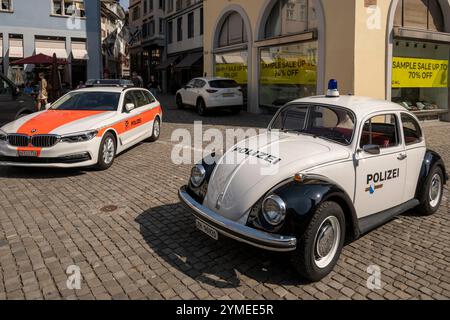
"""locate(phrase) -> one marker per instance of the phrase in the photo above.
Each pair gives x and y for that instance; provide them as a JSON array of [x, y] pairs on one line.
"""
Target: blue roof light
[[333, 89]]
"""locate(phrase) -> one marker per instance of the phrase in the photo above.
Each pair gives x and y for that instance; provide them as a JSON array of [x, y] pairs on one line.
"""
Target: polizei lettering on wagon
[[383, 176], [258, 154]]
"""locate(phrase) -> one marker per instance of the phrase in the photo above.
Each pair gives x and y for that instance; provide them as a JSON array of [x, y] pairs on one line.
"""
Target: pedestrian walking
[[154, 86], [137, 80], [42, 97]]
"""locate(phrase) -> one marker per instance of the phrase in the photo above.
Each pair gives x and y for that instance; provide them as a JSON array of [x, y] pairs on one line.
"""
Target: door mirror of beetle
[[129, 107], [48, 106], [372, 149]]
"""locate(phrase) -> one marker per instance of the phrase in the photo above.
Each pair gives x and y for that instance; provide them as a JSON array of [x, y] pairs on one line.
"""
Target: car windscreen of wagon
[[223, 84], [95, 101], [335, 124]]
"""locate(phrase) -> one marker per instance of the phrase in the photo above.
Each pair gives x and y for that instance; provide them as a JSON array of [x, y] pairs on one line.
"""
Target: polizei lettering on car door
[[383, 176], [258, 154], [375, 180]]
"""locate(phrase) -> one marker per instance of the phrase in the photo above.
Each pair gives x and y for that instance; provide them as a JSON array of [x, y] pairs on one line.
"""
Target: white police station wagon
[[344, 165]]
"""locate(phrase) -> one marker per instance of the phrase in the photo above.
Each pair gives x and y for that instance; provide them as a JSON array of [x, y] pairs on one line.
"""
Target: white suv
[[211, 93]]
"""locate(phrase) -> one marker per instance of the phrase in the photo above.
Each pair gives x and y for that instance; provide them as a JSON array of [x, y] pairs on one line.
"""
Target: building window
[[201, 21], [161, 4], [145, 7], [170, 32], [6, 5], [170, 6], [180, 29], [419, 14], [291, 17], [191, 25], [151, 5], [233, 31], [136, 13], [152, 28], [161, 26], [68, 8]]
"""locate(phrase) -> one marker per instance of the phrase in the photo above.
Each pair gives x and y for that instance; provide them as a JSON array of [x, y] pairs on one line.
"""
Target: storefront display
[[420, 75], [287, 72]]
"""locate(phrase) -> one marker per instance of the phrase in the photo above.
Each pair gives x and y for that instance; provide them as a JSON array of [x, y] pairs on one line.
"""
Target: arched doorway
[[289, 36], [232, 52], [418, 56]]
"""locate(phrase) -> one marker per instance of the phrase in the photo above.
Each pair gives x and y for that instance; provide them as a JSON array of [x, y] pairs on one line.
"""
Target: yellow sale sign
[[289, 71], [235, 71], [419, 73]]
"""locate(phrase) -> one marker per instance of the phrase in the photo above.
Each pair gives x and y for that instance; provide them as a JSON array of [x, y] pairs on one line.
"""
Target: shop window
[[291, 17], [420, 75], [233, 65], [232, 31], [287, 72], [419, 14], [411, 130]]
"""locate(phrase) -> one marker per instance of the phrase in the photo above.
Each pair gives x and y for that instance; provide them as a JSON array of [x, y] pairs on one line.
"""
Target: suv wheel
[[201, 107], [179, 101], [319, 249]]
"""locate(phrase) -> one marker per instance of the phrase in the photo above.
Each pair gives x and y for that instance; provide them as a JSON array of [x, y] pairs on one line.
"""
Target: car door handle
[[402, 156]]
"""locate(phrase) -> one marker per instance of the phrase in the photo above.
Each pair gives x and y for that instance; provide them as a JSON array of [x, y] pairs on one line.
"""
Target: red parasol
[[40, 58]]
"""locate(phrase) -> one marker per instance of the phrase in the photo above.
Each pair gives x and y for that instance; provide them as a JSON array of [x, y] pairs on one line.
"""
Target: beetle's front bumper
[[235, 230]]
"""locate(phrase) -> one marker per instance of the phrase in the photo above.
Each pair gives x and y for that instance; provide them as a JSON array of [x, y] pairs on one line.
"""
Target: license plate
[[210, 231], [227, 95], [28, 153]]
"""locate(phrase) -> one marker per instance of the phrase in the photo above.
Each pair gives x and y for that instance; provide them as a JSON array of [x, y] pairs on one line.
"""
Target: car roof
[[211, 78], [361, 106], [107, 89]]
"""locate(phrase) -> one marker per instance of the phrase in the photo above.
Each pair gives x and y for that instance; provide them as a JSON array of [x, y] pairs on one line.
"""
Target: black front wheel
[[156, 130], [321, 245], [179, 100], [201, 107], [107, 152]]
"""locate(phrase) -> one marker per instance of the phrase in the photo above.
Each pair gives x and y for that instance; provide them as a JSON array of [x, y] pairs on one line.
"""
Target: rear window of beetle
[[223, 84]]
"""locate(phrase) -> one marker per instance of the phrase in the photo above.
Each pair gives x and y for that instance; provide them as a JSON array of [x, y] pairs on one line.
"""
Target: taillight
[[211, 90]]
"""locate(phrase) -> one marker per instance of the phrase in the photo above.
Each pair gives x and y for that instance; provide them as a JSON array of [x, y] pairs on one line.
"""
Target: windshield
[[96, 101], [331, 123], [223, 84]]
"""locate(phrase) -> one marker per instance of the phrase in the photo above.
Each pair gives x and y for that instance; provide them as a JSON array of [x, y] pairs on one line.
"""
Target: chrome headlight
[[79, 137], [198, 175], [274, 209], [3, 135]]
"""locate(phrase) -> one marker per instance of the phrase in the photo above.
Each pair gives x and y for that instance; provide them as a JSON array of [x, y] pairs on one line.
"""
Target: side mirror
[[129, 107], [48, 106], [372, 149], [16, 92]]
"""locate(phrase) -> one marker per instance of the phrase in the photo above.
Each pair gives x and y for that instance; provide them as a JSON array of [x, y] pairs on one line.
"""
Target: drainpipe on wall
[[94, 44]]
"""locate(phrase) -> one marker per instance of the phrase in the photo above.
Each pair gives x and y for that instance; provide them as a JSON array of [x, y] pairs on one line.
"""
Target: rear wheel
[[179, 101], [107, 152], [156, 130], [320, 247], [433, 192], [201, 107]]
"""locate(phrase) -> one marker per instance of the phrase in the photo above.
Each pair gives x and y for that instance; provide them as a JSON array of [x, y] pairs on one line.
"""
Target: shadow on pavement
[[38, 173], [170, 231]]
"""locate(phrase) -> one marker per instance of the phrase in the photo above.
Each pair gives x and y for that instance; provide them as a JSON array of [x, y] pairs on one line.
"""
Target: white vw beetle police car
[[86, 127], [342, 165]]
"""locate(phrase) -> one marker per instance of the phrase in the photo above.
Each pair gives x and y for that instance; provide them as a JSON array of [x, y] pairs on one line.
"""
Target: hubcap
[[108, 150], [327, 242], [435, 190], [156, 129]]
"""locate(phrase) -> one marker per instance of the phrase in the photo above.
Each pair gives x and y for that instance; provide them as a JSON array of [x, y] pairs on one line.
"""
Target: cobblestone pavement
[[131, 238]]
